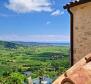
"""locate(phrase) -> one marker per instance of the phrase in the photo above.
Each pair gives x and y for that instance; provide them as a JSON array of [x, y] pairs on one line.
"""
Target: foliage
[[48, 61]]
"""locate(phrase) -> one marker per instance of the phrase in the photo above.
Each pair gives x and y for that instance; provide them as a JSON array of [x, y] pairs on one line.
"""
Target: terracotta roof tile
[[80, 73]]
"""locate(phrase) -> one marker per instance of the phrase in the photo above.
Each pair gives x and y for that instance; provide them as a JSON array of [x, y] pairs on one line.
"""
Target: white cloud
[[53, 2], [57, 13], [62, 13], [3, 15], [24, 6], [36, 38], [48, 22], [7, 15]]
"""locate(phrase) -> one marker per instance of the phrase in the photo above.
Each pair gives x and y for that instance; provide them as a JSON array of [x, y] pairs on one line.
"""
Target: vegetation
[[15, 59]]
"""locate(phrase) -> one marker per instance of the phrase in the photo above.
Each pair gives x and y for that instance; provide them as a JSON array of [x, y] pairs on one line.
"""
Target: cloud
[[57, 13], [3, 15], [25, 6], [48, 22], [62, 13], [8, 15], [53, 2], [36, 38]]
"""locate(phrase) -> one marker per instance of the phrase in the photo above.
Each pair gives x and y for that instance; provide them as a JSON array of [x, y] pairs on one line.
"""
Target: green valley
[[43, 60]]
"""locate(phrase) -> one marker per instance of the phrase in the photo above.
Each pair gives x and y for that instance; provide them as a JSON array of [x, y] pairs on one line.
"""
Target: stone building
[[80, 19], [80, 14]]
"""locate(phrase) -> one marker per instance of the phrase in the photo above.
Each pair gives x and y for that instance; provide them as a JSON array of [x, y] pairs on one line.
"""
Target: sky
[[34, 21]]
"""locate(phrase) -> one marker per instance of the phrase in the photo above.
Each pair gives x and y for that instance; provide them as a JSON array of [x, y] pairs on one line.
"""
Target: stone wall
[[82, 30]]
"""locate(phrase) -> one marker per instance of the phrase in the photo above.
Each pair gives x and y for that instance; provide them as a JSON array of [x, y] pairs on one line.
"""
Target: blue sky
[[34, 20]]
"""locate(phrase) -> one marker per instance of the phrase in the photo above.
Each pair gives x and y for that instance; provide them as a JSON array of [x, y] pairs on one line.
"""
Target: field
[[15, 59]]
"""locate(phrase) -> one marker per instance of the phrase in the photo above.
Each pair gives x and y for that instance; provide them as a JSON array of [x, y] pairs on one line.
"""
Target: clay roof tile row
[[80, 73]]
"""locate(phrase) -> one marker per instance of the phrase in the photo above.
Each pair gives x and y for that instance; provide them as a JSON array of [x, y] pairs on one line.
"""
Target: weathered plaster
[[81, 30]]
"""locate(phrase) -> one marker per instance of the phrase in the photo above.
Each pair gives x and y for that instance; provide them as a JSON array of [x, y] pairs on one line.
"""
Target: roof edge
[[72, 4]]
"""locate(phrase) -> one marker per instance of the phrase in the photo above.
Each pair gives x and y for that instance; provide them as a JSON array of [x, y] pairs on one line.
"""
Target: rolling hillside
[[6, 44]]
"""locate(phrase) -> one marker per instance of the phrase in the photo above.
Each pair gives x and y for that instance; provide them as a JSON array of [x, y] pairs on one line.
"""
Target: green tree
[[17, 77]]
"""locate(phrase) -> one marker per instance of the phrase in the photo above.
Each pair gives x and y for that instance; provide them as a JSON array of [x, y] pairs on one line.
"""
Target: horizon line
[[37, 41]]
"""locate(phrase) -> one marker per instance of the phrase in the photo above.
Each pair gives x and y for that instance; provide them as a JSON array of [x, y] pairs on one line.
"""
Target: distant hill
[[40, 44], [6, 44], [14, 44]]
